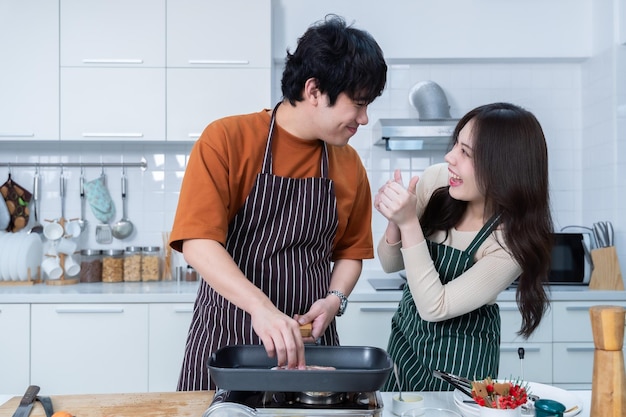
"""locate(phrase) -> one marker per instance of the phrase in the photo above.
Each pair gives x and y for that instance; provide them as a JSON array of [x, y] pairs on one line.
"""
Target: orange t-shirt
[[223, 166]]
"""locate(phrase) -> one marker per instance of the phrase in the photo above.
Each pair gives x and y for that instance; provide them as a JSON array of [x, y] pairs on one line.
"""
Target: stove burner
[[320, 397]]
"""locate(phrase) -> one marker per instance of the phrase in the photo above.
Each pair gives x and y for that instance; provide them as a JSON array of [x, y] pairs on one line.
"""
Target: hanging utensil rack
[[142, 164]]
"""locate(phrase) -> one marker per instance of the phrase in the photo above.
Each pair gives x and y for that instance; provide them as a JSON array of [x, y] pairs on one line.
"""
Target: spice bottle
[[90, 265], [112, 265], [151, 263], [132, 263], [192, 275]]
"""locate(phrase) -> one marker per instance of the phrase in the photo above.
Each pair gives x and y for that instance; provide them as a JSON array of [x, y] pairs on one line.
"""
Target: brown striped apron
[[281, 239], [468, 345]]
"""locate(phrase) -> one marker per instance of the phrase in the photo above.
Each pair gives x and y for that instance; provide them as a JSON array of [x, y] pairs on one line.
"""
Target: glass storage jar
[[112, 265], [132, 263], [151, 263], [90, 265]]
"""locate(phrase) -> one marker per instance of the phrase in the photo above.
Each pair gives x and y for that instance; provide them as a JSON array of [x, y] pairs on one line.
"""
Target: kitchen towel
[[99, 199], [16, 199]]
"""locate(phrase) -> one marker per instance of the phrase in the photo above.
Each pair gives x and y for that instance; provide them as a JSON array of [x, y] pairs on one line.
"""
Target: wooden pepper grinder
[[608, 391]]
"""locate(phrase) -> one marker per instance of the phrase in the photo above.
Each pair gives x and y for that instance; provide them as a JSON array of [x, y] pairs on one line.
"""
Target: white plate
[[31, 255], [16, 257], [4, 256], [566, 398], [3, 237]]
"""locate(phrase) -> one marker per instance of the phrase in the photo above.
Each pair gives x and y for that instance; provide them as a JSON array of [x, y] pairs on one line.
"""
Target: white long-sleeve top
[[493, 271]]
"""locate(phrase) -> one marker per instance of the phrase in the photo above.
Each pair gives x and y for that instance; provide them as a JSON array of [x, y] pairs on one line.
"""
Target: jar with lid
[[90, 265], [132, 263], [151, 263], [112, 265]]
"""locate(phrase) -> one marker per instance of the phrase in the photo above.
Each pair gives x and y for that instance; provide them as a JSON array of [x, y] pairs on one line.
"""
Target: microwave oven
[[571, 259]]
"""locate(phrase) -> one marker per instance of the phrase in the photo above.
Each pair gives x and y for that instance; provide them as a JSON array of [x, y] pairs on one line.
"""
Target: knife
[[27, 401]]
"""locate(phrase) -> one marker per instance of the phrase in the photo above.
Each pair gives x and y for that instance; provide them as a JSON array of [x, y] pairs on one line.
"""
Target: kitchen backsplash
[[551, 90]]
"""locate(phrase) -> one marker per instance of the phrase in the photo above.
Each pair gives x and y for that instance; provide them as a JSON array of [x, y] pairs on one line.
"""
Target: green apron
[[468, 345]]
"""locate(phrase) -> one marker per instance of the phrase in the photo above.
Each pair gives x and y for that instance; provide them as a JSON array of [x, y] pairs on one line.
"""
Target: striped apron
[[281, 239], [468, 345]]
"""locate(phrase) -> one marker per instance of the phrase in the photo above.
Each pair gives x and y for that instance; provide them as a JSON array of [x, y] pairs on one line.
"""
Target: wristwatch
[[343, 303]]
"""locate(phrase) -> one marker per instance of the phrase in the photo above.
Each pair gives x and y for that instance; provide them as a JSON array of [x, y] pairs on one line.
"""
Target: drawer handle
[[89, 310], [509, 309], [112, 61], [17, 135], [112, 135], [378, 309], [183, 310], [577, 308], [218, 62], [580, 349], [514, 349]]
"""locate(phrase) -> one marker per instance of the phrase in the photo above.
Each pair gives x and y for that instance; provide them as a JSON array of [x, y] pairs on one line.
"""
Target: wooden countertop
[[153, 404]]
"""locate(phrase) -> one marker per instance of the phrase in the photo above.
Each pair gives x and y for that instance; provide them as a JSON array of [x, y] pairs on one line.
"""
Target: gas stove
[[310, 404]]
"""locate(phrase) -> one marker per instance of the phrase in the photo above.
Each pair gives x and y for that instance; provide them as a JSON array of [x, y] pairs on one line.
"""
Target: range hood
[[430, 132], [414, 134]]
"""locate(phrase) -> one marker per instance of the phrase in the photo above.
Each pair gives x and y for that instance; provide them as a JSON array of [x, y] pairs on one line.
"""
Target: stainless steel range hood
[[414, 134], [431, 131]]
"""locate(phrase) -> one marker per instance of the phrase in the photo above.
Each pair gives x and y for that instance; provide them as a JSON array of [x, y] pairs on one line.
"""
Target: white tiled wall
[[552, 91]]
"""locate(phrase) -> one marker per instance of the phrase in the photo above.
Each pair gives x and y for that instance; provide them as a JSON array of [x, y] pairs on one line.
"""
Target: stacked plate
[[573, 404], [19, 253]]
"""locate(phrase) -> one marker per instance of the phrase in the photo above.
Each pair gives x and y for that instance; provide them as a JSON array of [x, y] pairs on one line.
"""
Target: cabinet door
[[29, 72], [169, 325], [366, 324], [197, 97], [234, 33], [113, 104], [14, 349], [534, 365], [113, 32], [90, 348], [512, 321], [573, 363], [574, 323]]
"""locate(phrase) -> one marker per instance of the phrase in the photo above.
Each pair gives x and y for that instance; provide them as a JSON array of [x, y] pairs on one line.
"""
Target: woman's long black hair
[[511, 165]]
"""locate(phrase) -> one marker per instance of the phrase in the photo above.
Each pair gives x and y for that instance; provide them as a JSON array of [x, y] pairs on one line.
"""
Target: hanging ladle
[[124, 227], [37, 227]]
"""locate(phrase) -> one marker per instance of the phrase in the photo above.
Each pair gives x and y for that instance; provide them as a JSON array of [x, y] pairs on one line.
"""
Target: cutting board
[[152, 404]]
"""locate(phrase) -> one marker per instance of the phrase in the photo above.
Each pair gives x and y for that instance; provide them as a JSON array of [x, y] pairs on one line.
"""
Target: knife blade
[[27, 401]]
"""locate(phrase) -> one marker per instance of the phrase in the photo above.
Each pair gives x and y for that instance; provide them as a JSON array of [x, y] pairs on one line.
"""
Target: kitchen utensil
[[462, 384], [52, 267], [124, 227], [521, 353], [27, 401], [608, 389], [37, 227], [397, 374], [549, 408], [248, 368], [82, 222]]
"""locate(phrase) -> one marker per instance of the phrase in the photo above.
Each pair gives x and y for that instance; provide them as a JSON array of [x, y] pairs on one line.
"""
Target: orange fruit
[[62, 414]]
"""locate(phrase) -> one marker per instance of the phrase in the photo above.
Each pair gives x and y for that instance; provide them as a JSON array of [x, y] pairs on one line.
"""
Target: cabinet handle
[[509, 309], [577, 308], [218, 62], [112, 61], [112, 135], [378, 309], [96, 310], [515, 349], [580, 349], [183, 310], [193, 135], [17, 135]]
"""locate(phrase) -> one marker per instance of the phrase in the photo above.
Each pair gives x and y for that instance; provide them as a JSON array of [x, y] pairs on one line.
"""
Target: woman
[[483, 221]]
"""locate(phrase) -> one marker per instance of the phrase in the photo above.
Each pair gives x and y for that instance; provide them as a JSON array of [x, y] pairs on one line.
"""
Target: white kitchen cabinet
[[233, 34], [112, 33], [573, 343], [89, 348], [169, 325], [113, 104], [29, 73], [217, 69], [15, 348], [537, 348], [366, 324], [196, 97]]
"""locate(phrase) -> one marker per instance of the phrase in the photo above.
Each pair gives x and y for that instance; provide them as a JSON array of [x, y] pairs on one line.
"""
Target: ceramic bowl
[[410, 401], [430, 412]]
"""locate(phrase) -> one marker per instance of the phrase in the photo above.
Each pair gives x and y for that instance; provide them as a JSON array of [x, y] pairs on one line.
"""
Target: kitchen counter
[[191, 404], [185, 292]]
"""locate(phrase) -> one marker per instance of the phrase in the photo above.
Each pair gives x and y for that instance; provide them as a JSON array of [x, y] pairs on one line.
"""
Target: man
[[275, 208]]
